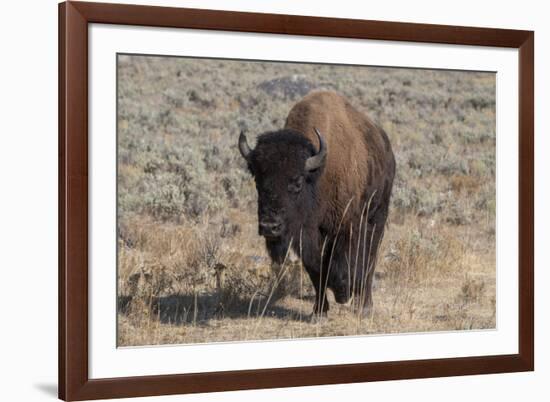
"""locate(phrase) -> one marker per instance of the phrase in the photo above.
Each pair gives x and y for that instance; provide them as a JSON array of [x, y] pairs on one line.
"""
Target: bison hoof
[[318, 317], [365, 310]]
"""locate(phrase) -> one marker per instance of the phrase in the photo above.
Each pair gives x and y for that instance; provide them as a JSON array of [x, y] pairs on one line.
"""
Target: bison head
[[286, 168]]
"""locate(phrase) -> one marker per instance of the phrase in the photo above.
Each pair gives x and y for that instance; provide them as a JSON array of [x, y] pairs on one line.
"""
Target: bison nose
[[271, 229]]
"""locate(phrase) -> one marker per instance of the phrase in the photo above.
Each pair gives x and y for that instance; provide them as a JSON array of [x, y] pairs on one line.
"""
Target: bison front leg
[[321, 307]]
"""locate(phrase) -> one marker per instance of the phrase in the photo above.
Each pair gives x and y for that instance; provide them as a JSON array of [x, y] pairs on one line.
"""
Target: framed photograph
[[259, 200]]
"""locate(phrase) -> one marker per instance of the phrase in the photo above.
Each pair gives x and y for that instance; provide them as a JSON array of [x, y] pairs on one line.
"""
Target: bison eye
[[296, 184]]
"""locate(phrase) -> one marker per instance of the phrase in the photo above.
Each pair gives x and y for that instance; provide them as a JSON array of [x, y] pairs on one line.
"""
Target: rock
[[294, 86]]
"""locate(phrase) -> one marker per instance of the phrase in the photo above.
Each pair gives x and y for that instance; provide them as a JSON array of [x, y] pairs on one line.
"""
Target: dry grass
[[191, 267]]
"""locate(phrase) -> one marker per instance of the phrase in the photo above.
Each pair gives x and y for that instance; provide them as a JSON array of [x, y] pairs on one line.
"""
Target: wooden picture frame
[[74, 381]]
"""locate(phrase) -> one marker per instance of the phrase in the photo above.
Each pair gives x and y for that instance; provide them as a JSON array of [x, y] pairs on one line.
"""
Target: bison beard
[[329, 203]]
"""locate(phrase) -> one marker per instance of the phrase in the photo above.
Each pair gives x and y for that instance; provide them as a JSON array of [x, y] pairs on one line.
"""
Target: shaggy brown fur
[[360, 160]]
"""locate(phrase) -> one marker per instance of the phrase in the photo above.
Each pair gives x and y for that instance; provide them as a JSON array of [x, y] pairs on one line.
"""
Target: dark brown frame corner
[[74, 17]]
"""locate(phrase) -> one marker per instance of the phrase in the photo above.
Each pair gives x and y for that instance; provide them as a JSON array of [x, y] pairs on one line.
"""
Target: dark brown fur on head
[[287, 192]]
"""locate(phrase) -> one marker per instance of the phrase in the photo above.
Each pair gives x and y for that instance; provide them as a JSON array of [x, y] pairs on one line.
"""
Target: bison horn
[[316, 161], [243, 146]]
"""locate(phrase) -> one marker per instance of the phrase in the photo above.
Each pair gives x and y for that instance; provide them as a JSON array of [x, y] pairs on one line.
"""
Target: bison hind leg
[[365, 304]]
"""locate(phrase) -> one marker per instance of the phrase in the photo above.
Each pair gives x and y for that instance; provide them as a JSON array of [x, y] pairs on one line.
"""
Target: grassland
[[191, 266]]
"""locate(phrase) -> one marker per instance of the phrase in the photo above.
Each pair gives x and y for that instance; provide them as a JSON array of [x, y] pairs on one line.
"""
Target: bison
[[328, 203]]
